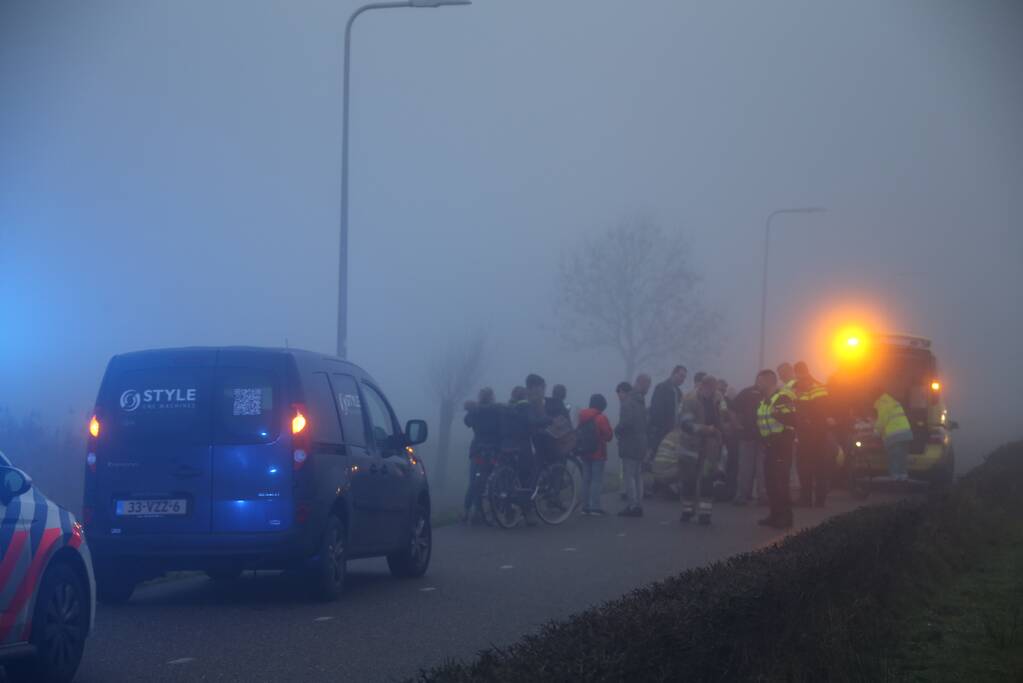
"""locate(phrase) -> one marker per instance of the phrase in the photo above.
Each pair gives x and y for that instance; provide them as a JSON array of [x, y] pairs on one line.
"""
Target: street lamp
[[342, 300], [763, 290]]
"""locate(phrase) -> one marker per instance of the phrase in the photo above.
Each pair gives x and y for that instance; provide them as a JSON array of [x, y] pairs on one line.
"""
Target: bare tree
[[454, 374], [633, 289]]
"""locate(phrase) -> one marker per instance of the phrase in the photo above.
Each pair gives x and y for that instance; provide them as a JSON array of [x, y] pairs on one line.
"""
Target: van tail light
[[299, 436], [302, 513], [95, 428], [87, 515]]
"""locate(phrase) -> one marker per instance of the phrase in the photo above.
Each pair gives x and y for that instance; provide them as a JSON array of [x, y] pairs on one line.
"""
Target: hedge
[[819, 606]]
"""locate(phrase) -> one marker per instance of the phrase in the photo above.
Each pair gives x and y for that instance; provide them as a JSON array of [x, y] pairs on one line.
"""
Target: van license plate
[[143, 508]]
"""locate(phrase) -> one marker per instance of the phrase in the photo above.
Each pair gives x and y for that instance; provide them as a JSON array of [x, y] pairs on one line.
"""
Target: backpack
[[587, 440]]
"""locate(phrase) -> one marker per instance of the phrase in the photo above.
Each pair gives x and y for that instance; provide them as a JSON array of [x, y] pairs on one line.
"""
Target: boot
[[687, 513], [704, 513]]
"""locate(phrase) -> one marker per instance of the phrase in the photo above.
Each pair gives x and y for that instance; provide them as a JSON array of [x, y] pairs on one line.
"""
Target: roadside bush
[[820, 606]]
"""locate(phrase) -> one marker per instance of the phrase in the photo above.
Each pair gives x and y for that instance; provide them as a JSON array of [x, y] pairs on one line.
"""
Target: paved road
[[485, 587]]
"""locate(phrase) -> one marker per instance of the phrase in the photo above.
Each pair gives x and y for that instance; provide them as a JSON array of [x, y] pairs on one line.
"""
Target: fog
[[169, 175]]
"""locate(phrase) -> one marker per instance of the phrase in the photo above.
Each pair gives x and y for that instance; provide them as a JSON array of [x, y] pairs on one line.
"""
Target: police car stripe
[[10, 522], [39, 517], [10, 559], [28, 584]]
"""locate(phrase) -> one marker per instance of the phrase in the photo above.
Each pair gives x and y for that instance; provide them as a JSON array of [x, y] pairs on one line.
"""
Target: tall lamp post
[[342, 300], [763, 289]]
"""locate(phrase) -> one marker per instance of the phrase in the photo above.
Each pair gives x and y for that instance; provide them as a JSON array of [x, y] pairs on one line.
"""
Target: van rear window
[[194, 405], [169, 404], [247, 406]]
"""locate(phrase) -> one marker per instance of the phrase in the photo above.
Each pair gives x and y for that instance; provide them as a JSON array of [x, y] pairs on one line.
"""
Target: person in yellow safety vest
[[776, 419], [815, 455], [893, 427]]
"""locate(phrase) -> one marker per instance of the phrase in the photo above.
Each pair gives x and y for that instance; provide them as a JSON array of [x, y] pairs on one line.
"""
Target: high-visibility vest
[[767, 423], [892, 424], [816, 391]]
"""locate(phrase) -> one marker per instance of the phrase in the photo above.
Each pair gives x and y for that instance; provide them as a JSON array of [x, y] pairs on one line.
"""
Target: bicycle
[[554, 495], [857, 466]]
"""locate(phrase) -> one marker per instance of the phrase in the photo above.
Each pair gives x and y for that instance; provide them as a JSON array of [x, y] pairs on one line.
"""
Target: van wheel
[[412, 561], [114, 588], [331, 568], [60, 624]]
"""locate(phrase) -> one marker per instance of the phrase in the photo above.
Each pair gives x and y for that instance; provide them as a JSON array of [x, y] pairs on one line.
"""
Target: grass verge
[[828, 604]]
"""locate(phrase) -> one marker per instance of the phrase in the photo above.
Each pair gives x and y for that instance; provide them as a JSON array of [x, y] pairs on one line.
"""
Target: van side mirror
[[416, 432], [13, 483]]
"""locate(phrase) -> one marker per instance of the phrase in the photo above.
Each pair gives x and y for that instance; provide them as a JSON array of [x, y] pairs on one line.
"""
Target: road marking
[[621, 535], [506, 566], [183, 660], [427, 589], [323, 618], [665, 523], [569, 550]]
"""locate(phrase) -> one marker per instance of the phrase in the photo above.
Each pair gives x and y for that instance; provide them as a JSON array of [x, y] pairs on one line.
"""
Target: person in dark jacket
[[484, 419], [555, 405], [632, 445], [536, 415], [751, 456], [664, 405]]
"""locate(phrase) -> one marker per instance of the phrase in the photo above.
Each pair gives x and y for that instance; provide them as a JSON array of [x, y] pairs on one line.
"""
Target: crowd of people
[[708, 445]]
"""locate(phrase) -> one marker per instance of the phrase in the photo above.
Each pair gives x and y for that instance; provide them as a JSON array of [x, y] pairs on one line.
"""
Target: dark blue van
[[227, 459]]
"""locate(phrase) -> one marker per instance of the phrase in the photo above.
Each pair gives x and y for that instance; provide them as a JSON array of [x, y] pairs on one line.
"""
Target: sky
[[170, 174]]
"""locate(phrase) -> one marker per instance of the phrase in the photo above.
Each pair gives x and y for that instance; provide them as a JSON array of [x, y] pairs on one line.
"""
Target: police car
[[47, 590]]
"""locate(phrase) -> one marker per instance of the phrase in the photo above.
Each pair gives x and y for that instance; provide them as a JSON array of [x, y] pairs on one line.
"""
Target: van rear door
[[153, 453], [252, 454]]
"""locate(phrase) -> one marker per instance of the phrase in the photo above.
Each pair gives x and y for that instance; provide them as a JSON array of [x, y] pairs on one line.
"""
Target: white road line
[[183, 660], [621, 535], [569, 550], [665, 523], [323, 618], [506, 566], [427, 589]]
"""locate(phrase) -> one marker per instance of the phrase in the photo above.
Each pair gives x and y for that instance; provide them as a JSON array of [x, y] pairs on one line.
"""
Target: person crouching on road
[[776, 416], [893, 427], [592, 436], [483, 418], [632, 447]]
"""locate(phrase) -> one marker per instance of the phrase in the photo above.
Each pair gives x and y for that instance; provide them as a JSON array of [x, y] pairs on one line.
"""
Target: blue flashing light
[[273, 470]]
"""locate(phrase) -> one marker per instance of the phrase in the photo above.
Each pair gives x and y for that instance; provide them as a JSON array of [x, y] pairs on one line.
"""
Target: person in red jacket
[[593, 434]]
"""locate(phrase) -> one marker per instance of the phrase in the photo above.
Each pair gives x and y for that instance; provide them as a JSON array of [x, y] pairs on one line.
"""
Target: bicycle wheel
[[575, 468], [486, 509], [859, 476], [555, 494], [501, 490]]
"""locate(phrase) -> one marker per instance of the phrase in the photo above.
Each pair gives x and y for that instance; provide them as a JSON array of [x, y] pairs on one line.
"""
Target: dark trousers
[[778, 468], [814, 463]]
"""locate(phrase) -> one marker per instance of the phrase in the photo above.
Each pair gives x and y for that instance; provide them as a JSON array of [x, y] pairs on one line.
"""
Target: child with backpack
[[592, 436]]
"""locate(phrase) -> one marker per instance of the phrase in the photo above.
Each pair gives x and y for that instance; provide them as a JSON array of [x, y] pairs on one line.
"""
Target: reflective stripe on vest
[[766, 421], [813, 393]]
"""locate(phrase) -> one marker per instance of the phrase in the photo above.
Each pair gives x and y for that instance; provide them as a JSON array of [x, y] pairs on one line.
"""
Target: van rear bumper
[[168, 552]]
